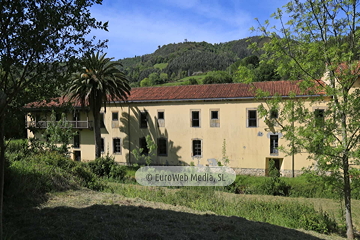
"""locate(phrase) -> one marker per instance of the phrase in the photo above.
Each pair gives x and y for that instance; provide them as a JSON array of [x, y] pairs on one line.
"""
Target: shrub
[[102, 166], [17, 149], [107, 167], [33, 176], [193, 81], [117, 172], [87, 178]]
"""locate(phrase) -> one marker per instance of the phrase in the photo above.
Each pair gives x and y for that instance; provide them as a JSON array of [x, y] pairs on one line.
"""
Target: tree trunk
[[97, 133], [347, 196]]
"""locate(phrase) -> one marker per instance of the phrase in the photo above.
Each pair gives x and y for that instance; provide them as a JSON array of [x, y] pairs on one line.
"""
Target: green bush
[[17, 149], [193, 81], [33, 176], [17, 145], [117, 172], [308, 185], [102, 166], [87, 178], [107, 167]]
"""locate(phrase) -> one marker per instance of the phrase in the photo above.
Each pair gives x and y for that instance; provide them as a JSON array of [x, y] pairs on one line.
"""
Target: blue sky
[[138, 27]]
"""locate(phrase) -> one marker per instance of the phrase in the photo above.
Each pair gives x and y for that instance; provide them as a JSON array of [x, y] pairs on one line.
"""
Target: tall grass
[[292, 215], [31, 177]]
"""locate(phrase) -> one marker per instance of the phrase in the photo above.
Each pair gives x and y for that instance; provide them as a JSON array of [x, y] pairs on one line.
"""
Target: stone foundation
[[262, 172], [250, 171]]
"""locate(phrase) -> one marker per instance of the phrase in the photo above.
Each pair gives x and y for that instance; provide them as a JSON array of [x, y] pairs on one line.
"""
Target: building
[[191, 124]]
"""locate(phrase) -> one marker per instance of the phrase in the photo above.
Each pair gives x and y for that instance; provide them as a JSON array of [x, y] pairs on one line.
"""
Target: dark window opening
[[214, 114], [252, 118], [195, 119], [102, 146], [76, 116], [77, 156], [162, 146], [117, 145], [143, 145], [115, 116], [196, 147], [77, 140], [274, 166], [274, 113], [143, 120], [319, 117], [274, 144], [161, 115], [58, 116]]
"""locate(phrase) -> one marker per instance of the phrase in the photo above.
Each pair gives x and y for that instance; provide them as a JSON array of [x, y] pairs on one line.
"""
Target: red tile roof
[[195, 92]]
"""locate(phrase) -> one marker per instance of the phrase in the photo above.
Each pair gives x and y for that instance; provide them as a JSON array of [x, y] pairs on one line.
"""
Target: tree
[[99, 81], [60, 133], [250, 69], [38, 42], [154, 78], [217, 77], [146, 83], [164, 77], [321, 36]]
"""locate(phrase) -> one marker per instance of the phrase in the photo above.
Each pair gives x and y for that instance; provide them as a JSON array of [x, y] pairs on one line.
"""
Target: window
[[76, 116], [195, 118], [273, 167], [117, 145], [77, 140], [196, 148], [274, 144], [274, 113], [102, 146], [143, 145], [115, 119], [102, 116], [162, 146], [77, 156], [161, 115], [58, 116], [214, 114], [319, 117], [161, 118], [252, 118], [214, 118], [115, 116], [143, 119]]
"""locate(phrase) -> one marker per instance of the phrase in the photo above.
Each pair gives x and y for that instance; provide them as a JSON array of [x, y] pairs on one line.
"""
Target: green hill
[[176, 61]]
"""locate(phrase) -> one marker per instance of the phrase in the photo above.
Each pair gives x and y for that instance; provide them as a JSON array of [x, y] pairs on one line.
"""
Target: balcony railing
[[73, 124]]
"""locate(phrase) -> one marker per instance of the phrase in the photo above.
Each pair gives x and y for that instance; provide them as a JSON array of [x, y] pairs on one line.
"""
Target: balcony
[[73, 124]]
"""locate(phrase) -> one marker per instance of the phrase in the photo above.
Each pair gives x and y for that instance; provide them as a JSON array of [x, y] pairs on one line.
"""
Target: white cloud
[[139, 31]]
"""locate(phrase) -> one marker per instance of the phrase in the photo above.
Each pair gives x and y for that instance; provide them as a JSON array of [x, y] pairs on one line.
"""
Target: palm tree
[[99, 81]]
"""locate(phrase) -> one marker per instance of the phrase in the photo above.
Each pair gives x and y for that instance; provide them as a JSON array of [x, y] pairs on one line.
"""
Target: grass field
[[86, 214], [46, 199]]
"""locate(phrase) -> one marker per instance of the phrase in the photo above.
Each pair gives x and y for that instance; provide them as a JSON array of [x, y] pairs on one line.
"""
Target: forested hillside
[[175, 61]]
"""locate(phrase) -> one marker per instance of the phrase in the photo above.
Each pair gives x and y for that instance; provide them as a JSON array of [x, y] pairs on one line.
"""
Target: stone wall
[[262, 172]]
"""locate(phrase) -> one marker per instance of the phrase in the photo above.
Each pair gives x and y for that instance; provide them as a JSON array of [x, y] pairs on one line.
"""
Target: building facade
[[191, 125]]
